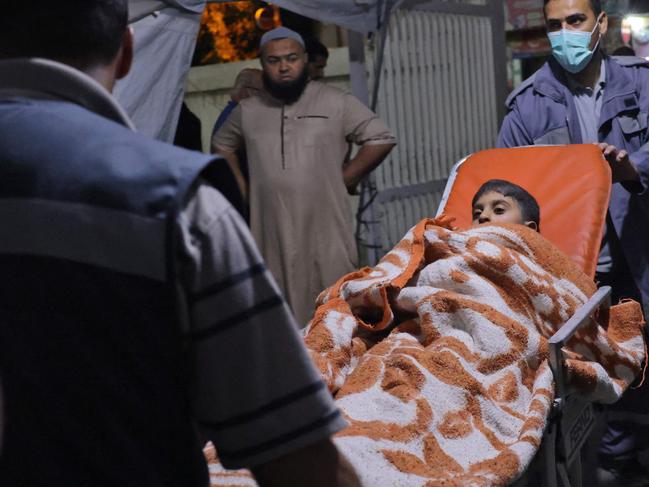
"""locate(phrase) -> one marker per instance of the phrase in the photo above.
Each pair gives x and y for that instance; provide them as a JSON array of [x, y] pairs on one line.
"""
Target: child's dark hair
[[529, 207]]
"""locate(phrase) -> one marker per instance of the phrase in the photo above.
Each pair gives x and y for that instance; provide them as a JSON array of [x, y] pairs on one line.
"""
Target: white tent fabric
[[164, 43], [195, 6], [358, 15], [153, 91]]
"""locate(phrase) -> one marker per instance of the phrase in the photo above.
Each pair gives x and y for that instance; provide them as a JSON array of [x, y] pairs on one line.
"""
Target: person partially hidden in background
[[188, 130], [318, 55], [247, 83]]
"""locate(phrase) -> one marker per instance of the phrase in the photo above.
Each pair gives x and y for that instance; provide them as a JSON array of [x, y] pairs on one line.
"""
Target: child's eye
[[499, 210], [476, 214]]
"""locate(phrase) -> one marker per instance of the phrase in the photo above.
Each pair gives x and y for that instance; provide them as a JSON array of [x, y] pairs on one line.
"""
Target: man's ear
[[603, 23], [125, 60], [532, 225]]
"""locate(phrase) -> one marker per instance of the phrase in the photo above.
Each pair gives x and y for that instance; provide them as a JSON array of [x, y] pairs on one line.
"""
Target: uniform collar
[[618, 81], [575, 86], [44, 79], [552, 81]]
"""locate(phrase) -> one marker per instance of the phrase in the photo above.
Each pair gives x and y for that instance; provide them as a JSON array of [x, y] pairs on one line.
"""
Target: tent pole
[[381, 34], [357, 69], [367, 217]]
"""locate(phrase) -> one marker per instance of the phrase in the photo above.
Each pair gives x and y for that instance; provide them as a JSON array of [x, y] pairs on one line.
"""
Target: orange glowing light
[[230, 32], [267, 18]]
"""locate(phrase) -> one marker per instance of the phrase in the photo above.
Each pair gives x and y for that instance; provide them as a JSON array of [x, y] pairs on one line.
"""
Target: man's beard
[[289, 92]]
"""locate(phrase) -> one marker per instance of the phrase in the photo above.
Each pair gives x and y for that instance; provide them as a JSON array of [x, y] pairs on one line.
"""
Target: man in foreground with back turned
[[134, 308]]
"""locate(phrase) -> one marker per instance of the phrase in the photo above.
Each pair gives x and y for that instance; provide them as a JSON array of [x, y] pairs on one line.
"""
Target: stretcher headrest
[[571, 183]]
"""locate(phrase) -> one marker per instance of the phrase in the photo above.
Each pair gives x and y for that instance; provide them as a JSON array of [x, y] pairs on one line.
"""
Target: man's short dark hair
[[595, 5], [83, 33], [315, 48], [529, 207], [623, 51]]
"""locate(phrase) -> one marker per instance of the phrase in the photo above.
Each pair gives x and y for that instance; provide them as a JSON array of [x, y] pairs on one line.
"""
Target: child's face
[[493, 207]]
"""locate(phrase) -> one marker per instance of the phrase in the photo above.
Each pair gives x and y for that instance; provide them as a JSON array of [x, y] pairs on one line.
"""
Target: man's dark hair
[[314, 48], [624, 51], [595, 5], [529, 207], [82, 33]]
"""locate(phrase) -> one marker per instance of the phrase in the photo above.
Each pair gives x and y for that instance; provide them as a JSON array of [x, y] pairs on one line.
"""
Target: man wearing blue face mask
[[581, 95]]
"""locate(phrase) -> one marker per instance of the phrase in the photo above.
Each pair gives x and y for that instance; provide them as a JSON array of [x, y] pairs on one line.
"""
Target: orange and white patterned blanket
[[438, 356]]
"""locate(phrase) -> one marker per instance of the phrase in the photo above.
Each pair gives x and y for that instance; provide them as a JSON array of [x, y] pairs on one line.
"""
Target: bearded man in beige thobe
[[296, 135]]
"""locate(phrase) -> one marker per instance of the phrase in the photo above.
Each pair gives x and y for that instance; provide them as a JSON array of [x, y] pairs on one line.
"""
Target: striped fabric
[[94, 381], [255, 391]]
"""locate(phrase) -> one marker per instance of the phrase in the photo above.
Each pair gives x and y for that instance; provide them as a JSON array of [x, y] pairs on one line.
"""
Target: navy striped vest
[[91, 359]]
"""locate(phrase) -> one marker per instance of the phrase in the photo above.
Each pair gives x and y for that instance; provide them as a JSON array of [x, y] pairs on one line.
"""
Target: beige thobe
[[300, 212]]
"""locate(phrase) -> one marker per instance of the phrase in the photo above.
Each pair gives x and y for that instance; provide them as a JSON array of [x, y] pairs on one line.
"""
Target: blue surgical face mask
[[571, 48]]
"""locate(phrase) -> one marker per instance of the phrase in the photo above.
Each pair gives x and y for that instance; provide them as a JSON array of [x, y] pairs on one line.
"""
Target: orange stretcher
[[572, 185]]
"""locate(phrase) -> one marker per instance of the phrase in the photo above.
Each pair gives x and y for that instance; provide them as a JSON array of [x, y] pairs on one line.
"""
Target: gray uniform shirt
[[588, 104]]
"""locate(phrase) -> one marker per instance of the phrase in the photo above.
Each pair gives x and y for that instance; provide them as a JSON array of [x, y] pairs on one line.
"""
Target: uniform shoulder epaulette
[[521, 88], [630, 61]]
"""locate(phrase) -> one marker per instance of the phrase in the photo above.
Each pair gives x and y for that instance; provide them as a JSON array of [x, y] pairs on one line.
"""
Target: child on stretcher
[[499, 201], [442, 347]]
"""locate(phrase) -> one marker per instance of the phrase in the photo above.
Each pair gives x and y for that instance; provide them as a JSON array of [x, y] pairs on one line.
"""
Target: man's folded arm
[[368, 157], [363, 127]]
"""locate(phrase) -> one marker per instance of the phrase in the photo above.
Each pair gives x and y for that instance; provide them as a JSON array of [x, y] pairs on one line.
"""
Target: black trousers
[[623, 438]]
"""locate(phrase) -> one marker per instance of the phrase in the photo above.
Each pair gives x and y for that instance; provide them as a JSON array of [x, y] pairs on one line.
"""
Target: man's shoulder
[[120, 161], [320, 87], [205, 205], [542, 86], [322, 96], [319, 92], [65, 121], [257, 101], [133, 145], [526, 88], [631, 61], [623, 71], [634, 68]]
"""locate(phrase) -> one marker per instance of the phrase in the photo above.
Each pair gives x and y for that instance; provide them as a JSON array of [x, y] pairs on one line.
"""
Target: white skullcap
[[280, 33]]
